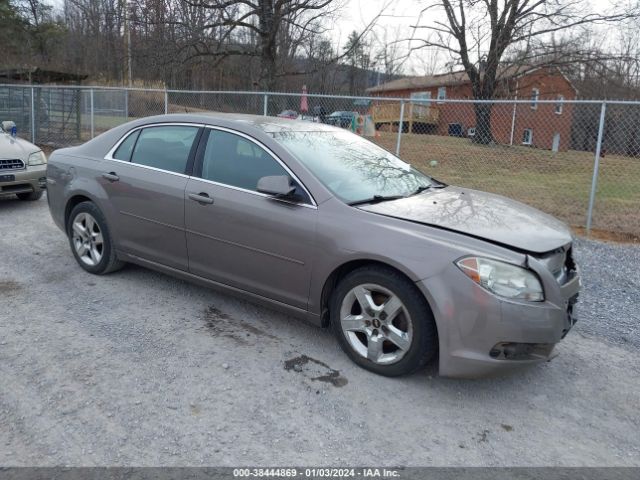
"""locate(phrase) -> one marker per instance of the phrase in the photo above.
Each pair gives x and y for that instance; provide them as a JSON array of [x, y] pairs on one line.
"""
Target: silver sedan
[[323, 224]]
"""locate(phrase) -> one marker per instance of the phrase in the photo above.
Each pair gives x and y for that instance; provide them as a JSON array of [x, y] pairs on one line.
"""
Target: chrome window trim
[[109, 155], [149, 167], [274, 156], [253, 192]]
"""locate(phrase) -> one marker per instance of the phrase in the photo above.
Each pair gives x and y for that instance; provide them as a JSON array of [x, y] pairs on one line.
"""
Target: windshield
[[354, 169]]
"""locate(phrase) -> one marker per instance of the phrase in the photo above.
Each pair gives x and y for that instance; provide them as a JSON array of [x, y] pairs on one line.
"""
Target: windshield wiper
[[376, 199], [422, 188]]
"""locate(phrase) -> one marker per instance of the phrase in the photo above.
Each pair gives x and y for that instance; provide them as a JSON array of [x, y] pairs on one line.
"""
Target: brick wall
[[545, 123]]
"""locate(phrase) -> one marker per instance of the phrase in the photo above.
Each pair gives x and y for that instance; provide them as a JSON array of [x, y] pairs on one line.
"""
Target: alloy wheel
[[87, 239], [376, 323]]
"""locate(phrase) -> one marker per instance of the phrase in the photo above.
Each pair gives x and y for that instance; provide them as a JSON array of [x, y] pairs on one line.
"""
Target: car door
[[243, 238], [145, 178]]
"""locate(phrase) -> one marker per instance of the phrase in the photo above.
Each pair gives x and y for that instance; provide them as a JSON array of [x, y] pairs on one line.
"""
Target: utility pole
[[128, 77]]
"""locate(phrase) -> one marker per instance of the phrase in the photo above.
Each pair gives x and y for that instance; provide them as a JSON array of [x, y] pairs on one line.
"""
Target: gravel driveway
[[137, 368]]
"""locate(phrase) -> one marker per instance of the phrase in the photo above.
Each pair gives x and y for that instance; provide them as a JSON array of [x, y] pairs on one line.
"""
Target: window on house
[[535, 94], [442, 94], [527, 136], [559, 104], [421, 101], [421, 97]]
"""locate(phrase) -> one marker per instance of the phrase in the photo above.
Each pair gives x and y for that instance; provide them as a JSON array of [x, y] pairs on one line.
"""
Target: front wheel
[[90, 240], [383, 322]]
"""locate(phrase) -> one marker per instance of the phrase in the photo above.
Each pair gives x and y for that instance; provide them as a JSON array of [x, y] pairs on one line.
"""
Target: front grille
[[13, 164]]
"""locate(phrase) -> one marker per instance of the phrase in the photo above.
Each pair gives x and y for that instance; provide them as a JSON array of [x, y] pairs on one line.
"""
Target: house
[[432, 107]]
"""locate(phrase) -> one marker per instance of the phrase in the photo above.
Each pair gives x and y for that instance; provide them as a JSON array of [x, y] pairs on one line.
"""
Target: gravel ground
[[137, 368], [610, 301]]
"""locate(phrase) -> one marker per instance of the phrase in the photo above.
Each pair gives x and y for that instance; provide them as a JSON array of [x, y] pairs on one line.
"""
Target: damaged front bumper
[[481, 333]]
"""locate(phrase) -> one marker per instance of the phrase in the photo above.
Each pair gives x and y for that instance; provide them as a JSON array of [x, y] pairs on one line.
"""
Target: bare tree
[[202, 44], [389, 56], [358, 57], [321, 58], [253, 28], [478, 34]]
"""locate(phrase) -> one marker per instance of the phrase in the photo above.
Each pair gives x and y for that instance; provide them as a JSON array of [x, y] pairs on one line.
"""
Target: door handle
[[201, 197], [111, 176]]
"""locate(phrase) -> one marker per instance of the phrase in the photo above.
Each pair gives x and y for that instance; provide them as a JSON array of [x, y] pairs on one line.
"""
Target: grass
[[558, 183]]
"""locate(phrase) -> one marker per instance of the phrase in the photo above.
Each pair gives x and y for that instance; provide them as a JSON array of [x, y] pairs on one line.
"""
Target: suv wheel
[[383, 322], [90, 240]]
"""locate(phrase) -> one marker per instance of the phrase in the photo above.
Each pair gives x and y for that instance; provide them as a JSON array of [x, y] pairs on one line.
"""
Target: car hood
[[480, 214], [14, 147]]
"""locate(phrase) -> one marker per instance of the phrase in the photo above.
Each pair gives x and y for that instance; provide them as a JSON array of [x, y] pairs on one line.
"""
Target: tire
[[31, 196], [93, 249], [398, 317]]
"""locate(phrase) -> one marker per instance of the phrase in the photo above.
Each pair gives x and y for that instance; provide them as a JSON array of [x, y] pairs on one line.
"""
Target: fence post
[[265, 106], [126, 105], [92, 121], [513, 123], [166, 102], [400, 126], [596, 166], [33, 116]]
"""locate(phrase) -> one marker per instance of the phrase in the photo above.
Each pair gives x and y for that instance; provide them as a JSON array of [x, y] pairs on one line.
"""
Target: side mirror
[[10, 127], [276, 185]]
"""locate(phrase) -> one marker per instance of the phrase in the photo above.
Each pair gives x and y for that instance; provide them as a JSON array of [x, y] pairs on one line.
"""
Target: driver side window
[[233, 160]]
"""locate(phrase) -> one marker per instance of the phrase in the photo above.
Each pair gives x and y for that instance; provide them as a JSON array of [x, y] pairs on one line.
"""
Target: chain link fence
[[577, 160]]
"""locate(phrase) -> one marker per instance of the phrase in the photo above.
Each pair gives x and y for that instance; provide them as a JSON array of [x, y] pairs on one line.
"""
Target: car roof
[[254, 125], [266, 124]]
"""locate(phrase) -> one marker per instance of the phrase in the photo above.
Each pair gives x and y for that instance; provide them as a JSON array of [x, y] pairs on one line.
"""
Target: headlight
[[37, 158], [503, 279]]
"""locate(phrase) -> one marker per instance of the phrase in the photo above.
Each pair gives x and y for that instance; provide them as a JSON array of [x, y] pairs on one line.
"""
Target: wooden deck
[[389, 113]]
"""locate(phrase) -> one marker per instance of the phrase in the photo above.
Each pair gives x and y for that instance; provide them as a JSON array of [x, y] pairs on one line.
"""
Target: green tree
[[12, 30]]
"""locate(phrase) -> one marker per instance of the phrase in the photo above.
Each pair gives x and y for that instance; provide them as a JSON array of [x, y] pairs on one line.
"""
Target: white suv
[[22, 165]]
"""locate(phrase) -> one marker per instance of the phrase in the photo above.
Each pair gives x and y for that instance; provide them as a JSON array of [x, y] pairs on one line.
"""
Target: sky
[[398, 16], [396, 20]]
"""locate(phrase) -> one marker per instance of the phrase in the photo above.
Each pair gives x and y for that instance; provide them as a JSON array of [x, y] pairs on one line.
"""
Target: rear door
[[145, 178], [243, 238]]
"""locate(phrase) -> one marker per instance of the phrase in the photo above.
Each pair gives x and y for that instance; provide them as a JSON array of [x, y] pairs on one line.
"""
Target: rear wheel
[[90, 240], [383, 322], [30, 196]]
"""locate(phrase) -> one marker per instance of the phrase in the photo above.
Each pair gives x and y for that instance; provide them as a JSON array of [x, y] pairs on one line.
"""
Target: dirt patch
[[607, 236], [223, 325], [8, 286], [315, 370]]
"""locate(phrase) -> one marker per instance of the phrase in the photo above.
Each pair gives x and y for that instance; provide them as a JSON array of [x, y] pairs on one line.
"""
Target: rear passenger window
[[233, 160], [123, 152], [165, 147]]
